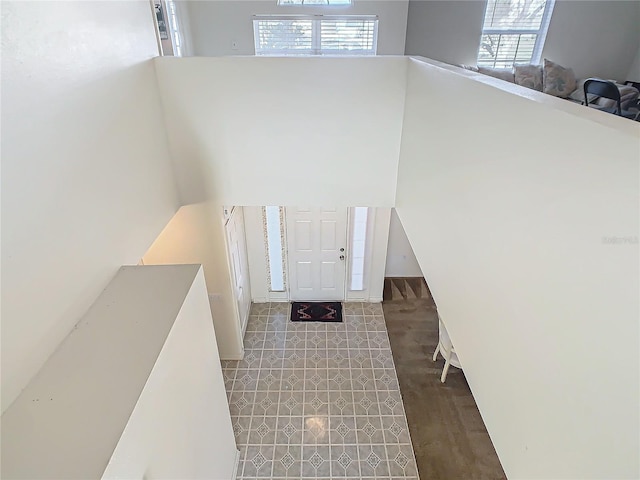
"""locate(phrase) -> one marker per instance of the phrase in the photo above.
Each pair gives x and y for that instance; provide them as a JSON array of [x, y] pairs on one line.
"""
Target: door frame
[[377, 238]]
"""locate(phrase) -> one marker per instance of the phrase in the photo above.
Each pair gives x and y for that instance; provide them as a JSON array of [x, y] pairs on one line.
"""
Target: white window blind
[[513, 32], [315, 35]]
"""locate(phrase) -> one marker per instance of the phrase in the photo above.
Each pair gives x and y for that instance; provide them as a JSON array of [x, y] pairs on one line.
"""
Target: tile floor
[[318, 400]]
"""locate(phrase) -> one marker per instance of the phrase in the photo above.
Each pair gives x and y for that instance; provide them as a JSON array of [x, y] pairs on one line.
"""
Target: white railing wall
[[523, 210]]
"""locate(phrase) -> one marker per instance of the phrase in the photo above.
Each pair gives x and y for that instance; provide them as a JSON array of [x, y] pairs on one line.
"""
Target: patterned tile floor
[[318, 400]]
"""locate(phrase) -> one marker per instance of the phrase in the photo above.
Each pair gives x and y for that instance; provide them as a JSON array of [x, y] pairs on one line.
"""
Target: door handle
[[342, 249], [341, 257]]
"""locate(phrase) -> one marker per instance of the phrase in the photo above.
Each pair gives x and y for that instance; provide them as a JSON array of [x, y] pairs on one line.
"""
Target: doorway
[[285, 266]]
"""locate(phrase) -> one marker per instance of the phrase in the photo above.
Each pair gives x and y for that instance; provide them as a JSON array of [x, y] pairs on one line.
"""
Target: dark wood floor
[[448, 434]]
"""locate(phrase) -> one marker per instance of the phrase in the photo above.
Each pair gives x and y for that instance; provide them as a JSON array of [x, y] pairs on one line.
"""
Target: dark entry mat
[[316, 312]]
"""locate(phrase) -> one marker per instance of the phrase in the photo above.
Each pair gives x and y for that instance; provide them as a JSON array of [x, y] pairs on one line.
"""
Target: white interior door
[[239, 264], [317, 241]]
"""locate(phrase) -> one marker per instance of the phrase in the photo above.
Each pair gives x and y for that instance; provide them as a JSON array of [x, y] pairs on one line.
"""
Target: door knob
[[342, 249], [341, 257]]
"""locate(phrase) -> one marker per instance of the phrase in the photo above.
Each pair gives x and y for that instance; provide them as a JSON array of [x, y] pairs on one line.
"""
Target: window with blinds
[[315, 35], [174, 28], [513, 32]]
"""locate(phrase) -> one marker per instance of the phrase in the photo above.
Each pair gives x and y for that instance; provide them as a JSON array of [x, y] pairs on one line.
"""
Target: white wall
[[542, 310], [121, 380], [595, 38], [401, 261], [196, 235], [216, 24], [634, 70], [311, 126], [86, 177], [379, 245], [446, 30], [181, 426]]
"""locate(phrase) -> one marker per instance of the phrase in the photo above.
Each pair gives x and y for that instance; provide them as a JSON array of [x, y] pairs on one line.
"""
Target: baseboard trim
[[364, 299], [233, 356], [235, 468]]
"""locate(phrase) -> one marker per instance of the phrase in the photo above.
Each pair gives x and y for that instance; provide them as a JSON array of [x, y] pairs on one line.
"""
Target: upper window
[[513, 32], [174, 27], [315, 2], [315, 35]]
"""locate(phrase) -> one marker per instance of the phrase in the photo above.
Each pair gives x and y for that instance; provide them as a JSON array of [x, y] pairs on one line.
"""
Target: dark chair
[[605, 89]]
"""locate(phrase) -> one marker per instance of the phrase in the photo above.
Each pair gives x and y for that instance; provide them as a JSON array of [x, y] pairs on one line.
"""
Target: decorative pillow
[[529, 76], [505, 74], [557, 80], [469, 67]]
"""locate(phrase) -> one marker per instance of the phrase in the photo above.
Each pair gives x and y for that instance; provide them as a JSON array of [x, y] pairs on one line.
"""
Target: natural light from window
[[358, 247], [174, 28], [315, 35], [273, 232], [513, 32]]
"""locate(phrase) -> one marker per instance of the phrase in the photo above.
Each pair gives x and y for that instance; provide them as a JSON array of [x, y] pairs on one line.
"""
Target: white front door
[[317, 240], [239, 264]]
